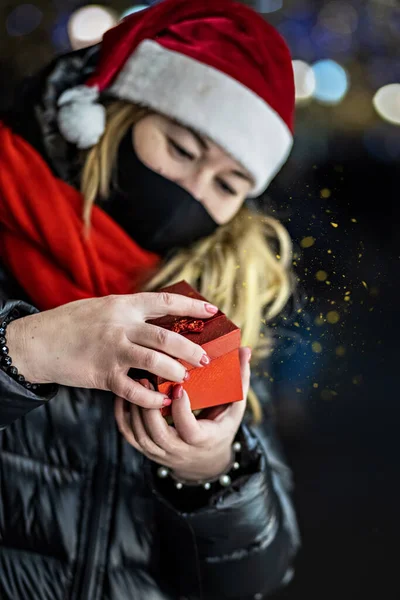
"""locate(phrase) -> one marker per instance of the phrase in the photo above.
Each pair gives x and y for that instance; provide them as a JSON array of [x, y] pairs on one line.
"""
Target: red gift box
[[219, 382]]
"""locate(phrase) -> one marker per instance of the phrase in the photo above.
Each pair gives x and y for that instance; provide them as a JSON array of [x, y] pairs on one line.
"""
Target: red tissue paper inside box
[[219, 382]]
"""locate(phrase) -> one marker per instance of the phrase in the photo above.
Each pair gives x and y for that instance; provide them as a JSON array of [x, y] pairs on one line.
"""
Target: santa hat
[[213, 65]]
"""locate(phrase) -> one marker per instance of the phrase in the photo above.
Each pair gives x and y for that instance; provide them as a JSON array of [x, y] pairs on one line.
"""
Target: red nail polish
[[167, 402], [205, 360], [177, 392]]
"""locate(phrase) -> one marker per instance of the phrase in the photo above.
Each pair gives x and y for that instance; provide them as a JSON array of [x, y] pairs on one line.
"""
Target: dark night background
[[335, 384]]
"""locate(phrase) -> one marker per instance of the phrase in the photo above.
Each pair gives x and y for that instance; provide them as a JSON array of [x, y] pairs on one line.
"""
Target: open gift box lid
[[217, 335]]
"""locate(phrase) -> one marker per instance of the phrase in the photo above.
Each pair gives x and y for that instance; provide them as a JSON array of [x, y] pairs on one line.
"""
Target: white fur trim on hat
[[211, 102], [81, 119]]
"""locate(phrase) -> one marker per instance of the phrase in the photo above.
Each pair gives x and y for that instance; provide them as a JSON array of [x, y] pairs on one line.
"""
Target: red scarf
[[42, 238]]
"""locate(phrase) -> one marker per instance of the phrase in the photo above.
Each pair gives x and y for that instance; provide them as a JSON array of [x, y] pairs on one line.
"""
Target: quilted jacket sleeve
[[240, 545], [15, 400]]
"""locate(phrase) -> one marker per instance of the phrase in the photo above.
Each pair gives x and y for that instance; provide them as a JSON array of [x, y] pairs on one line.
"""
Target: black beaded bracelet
[[6, 360]]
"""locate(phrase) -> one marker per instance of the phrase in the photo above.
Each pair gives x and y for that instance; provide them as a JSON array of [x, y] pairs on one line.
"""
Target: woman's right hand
[[93, 343]]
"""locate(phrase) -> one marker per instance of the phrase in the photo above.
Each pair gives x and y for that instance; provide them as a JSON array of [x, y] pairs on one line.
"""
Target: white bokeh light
[[88, 24], [387, 103], [304, 80]]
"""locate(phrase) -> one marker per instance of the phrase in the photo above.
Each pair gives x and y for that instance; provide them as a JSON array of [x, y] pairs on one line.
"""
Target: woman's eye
[[180, 150], [226, 188]]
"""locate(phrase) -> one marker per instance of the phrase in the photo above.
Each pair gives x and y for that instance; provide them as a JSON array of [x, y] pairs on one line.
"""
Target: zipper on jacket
[[102, 504]]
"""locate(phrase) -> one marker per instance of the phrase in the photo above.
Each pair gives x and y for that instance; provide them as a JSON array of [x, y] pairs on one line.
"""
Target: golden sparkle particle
[[328, 394], [326, 193], [321, 275], [334, 225], [365, 285], [315, 385], [333, 317], [316, 347], [307, 242], [340, 351]]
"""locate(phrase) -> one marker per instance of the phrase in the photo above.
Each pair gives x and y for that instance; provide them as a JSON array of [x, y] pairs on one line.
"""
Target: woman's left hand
[[195, 449]]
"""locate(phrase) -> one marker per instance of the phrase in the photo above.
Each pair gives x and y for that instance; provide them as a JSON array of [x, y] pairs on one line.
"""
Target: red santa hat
[[213, 65]]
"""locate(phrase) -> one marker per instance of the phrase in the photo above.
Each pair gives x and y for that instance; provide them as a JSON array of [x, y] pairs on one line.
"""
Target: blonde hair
[[245, 267]]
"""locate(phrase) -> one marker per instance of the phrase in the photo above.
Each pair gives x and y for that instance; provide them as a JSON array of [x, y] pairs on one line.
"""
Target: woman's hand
[[195, 449], [93, 343]]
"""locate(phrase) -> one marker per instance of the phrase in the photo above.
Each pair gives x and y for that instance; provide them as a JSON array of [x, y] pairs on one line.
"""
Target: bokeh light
[[331, 82], [133, 9], [304, 79], [383, 142], [339, 17], [387, 103], [24, 19], [268, 6], [59, 33], [88, 24]]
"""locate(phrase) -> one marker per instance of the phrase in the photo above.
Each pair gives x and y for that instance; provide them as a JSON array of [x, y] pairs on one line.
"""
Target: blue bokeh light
[[268, 6], [133, 9], [59, 33], [331, 81], [383, 143], [24, 19]]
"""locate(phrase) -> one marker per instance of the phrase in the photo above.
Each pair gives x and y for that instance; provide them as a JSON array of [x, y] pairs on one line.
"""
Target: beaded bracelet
[[6, 360], [224, 479]]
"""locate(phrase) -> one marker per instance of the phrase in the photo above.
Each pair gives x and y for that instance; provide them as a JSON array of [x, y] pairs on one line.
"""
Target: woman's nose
[[196, 184]]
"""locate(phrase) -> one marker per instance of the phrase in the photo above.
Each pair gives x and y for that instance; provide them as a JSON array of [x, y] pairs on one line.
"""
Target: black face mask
[[155, 212]]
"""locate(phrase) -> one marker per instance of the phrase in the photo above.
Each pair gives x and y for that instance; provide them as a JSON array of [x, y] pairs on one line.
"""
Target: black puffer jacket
[[82, 515]]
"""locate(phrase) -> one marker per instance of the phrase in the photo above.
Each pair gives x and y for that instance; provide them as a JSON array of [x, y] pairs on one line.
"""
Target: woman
[[182, 114]]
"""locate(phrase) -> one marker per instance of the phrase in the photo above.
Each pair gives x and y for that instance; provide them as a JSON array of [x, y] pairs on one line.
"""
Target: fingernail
[[177, 392], [250, 352], [211, 309], [167, 402], [145, 383], [205, 360], [187, 375]]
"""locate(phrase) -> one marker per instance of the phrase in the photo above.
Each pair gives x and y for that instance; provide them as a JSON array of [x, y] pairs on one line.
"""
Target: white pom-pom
[[81, 119]]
